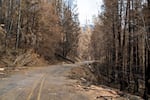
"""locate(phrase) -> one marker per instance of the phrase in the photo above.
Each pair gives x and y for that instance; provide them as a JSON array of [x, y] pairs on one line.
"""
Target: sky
[[87, 9]]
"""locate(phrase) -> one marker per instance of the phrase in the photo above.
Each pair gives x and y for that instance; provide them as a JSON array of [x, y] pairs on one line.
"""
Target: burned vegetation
[[120, 42]]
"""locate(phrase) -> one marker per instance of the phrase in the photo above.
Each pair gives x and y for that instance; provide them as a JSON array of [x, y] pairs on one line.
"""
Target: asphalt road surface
[[44, 83]]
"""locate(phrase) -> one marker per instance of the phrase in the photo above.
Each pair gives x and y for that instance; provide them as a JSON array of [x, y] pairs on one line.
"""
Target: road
[[44, 83]]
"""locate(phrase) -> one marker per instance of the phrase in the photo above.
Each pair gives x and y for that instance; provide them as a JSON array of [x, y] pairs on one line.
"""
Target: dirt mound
[[12, 61], [30, 58], [83, 74], [86, 84]]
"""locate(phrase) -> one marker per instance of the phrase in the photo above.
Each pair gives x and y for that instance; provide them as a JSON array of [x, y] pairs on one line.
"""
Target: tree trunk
[[19, 25], [0, 11]]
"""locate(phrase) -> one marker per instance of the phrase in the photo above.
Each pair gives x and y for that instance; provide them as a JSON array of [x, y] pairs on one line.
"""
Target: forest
[[50, 28], [119, 41]]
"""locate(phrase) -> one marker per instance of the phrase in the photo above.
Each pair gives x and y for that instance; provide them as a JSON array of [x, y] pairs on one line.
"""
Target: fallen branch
[[61, 56]]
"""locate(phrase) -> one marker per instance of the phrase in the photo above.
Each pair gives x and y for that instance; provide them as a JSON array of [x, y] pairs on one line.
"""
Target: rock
[[83, 80], [2, 69]]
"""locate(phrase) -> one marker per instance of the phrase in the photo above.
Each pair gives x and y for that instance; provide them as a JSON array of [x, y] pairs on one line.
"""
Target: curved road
[[47, 83]]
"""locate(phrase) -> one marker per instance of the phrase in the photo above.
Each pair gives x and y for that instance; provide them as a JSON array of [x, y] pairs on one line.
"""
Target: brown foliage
[[119, 43], [49, 30], [48, 27]]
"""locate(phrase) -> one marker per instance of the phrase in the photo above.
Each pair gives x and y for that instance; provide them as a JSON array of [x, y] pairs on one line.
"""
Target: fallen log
[[65, 58]]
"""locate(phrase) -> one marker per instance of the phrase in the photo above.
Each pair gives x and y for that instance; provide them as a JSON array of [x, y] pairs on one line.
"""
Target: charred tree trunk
[[0, 11], [19, 25], [147, 56]]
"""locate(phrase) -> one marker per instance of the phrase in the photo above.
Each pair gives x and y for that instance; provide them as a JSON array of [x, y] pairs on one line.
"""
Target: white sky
[[88, 8]]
